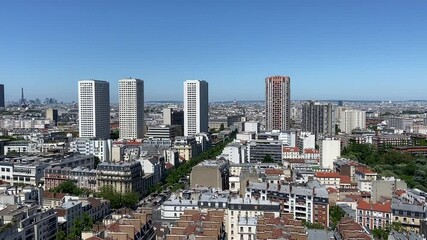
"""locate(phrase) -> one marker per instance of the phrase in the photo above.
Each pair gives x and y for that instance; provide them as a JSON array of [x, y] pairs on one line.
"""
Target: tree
[[69, 187], [119, 200], [130, 199], [336, 213], [268, 159], [60, 235], [114, 134], [221, 128], [87, 222]]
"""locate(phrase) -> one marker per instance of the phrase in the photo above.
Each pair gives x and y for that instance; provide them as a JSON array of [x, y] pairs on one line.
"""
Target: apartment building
[[122, 177], [194, 224], [373, 215], [210, 173], [410, 216], [242, 216], [309, 203], [27, 222]]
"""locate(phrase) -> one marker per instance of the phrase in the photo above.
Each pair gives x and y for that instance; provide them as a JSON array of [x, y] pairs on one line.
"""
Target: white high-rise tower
[[131, 108], [94, 109], [196, 107]]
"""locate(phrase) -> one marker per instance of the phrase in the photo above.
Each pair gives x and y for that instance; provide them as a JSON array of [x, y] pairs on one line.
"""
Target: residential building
[[391, 140], [330, 150], [277, 102], [409, 215], [318, 119], [131, 108], [306, 140], [243, 213], [94, 109], [84, 178], [236, 153], [196, 107], [52, 115], [122, 177], [352, 119], [283, 227], [252, 127], [194, 224], [27, 222], [54, 176], [328, 179], [309, 203], [348, 229], [290, 153], [399, 123], [68, 213], [173, 208], [130, 226], [210, 173], [385, 188], [187, 147], [100, 148], [373, 215]]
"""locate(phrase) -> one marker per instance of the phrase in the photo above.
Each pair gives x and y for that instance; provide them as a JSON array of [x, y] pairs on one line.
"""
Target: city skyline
[[332, 50]]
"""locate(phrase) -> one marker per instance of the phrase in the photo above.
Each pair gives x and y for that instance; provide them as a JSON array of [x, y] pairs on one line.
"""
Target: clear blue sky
[[343, 49]]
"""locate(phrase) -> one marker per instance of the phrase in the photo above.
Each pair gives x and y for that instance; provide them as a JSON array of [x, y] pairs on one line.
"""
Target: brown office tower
[[277, 102]]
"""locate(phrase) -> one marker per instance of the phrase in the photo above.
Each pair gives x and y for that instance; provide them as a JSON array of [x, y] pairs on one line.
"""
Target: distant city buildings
[[351, 119], [94, 109], [52, 115], [196, 107], [131, 108], [2, 103], [277, 103]]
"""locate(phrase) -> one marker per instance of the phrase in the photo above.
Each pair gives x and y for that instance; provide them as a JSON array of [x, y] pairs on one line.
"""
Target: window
[[241, 229]]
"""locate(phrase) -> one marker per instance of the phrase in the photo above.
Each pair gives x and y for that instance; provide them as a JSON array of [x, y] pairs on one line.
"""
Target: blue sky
[[352, 49]]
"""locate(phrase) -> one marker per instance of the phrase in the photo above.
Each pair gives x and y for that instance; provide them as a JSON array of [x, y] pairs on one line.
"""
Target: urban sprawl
[[194, 169]]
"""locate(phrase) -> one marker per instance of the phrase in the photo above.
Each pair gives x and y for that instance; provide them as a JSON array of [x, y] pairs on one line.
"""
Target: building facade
[[122, 177], [94, 109], [196, 107], [352, 119], [318, 119], [131, 108], [277, 102]]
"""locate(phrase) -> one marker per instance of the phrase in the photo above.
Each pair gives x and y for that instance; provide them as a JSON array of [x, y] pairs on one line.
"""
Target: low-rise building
[[373, 215], [348, 229], [173, 208], [409, 215], [194, 224], [283, 227], [210, 173], [68, 212], [329, 179]]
